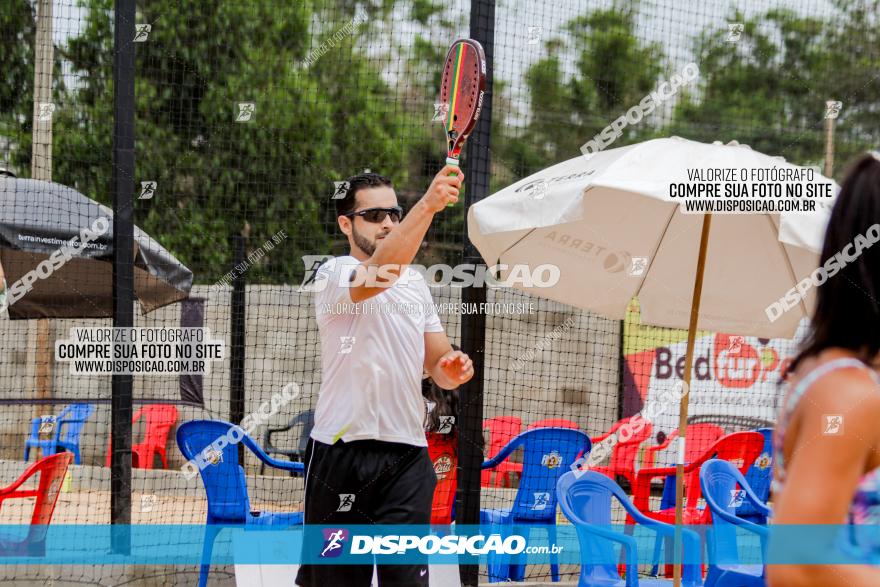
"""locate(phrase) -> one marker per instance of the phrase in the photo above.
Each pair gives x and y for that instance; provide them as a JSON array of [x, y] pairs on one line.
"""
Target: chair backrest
[[501, 430], [160, 418], [223, 477], [586, 499], [760, 474], [739, 448], [76, 414], [51, 470], [700, 438], [723, 489], [629, 439], [547, 454], [443, 452], [554, 423]]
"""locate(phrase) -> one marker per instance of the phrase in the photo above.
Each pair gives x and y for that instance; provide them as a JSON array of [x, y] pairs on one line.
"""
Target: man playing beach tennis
[[367, 460]]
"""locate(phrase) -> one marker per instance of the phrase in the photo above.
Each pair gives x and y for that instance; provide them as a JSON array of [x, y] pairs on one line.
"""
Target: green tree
[[763, 90], [320, 113], [852, 76], [18, 31], [614, 71]]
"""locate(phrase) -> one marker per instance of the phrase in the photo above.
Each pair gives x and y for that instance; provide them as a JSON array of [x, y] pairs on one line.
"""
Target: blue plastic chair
[[68, 429], [759, 477], [225, 483], [547, 454], [719, 480], [585, 499]]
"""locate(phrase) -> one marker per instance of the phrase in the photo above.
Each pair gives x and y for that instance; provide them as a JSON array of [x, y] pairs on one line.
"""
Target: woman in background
[[440, 405], [827, 467], [441, 430]]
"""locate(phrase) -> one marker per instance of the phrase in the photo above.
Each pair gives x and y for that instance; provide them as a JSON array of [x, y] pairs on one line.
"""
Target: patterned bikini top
[[865, 507]]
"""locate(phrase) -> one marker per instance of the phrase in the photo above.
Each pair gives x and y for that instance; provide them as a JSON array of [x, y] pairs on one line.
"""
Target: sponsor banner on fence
[[735, 378]]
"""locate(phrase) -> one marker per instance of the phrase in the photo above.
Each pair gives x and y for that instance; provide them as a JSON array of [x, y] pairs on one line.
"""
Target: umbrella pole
[[683, 406]]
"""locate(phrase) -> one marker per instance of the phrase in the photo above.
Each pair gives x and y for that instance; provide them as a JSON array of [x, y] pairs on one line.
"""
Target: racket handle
[[452, 161]]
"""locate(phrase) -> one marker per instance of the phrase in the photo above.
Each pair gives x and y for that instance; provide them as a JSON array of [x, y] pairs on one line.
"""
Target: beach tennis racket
[[461, 89]]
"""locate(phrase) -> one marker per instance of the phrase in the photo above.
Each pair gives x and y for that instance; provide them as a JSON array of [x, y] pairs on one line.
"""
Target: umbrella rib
[[791, 273], [525, 236], [656, 248]]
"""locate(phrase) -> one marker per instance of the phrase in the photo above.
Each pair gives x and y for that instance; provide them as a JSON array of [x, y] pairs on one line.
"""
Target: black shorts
[[391, 483]]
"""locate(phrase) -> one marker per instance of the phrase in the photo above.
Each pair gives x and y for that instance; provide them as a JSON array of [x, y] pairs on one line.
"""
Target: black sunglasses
[[376, 215]]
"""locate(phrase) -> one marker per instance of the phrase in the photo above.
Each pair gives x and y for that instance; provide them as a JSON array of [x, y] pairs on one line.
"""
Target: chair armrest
[[642, 489], [60, 423], [502, 455], [760, 506], [663, 445], [267, 438], [267, 441], [653, 472], [7, 494], [10, 490], [261, 454], [285, 452], [286, 465], [761, 531]]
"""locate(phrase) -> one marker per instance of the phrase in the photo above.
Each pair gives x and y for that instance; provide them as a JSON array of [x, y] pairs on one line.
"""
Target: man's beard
[[362, 243]]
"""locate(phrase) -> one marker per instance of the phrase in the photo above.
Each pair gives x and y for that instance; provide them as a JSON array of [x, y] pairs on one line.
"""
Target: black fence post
[[473, 326], [122, 190], [237, 335]]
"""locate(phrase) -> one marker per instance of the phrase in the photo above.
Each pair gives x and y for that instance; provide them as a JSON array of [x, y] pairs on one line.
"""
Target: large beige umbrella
[[614, 233], [608, 222]]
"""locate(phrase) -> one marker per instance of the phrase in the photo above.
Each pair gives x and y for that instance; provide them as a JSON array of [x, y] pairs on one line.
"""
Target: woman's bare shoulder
[[810, 364]]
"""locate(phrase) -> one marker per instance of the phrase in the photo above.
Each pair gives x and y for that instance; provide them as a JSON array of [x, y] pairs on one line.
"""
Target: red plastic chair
[[700, 438], [501, 431], [52, 470], [443, 451], [739, 448], [160, 419], [554, 423], [625, 452]]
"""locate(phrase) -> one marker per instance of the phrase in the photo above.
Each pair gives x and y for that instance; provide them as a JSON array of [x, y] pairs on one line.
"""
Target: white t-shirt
[[372, 356]]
